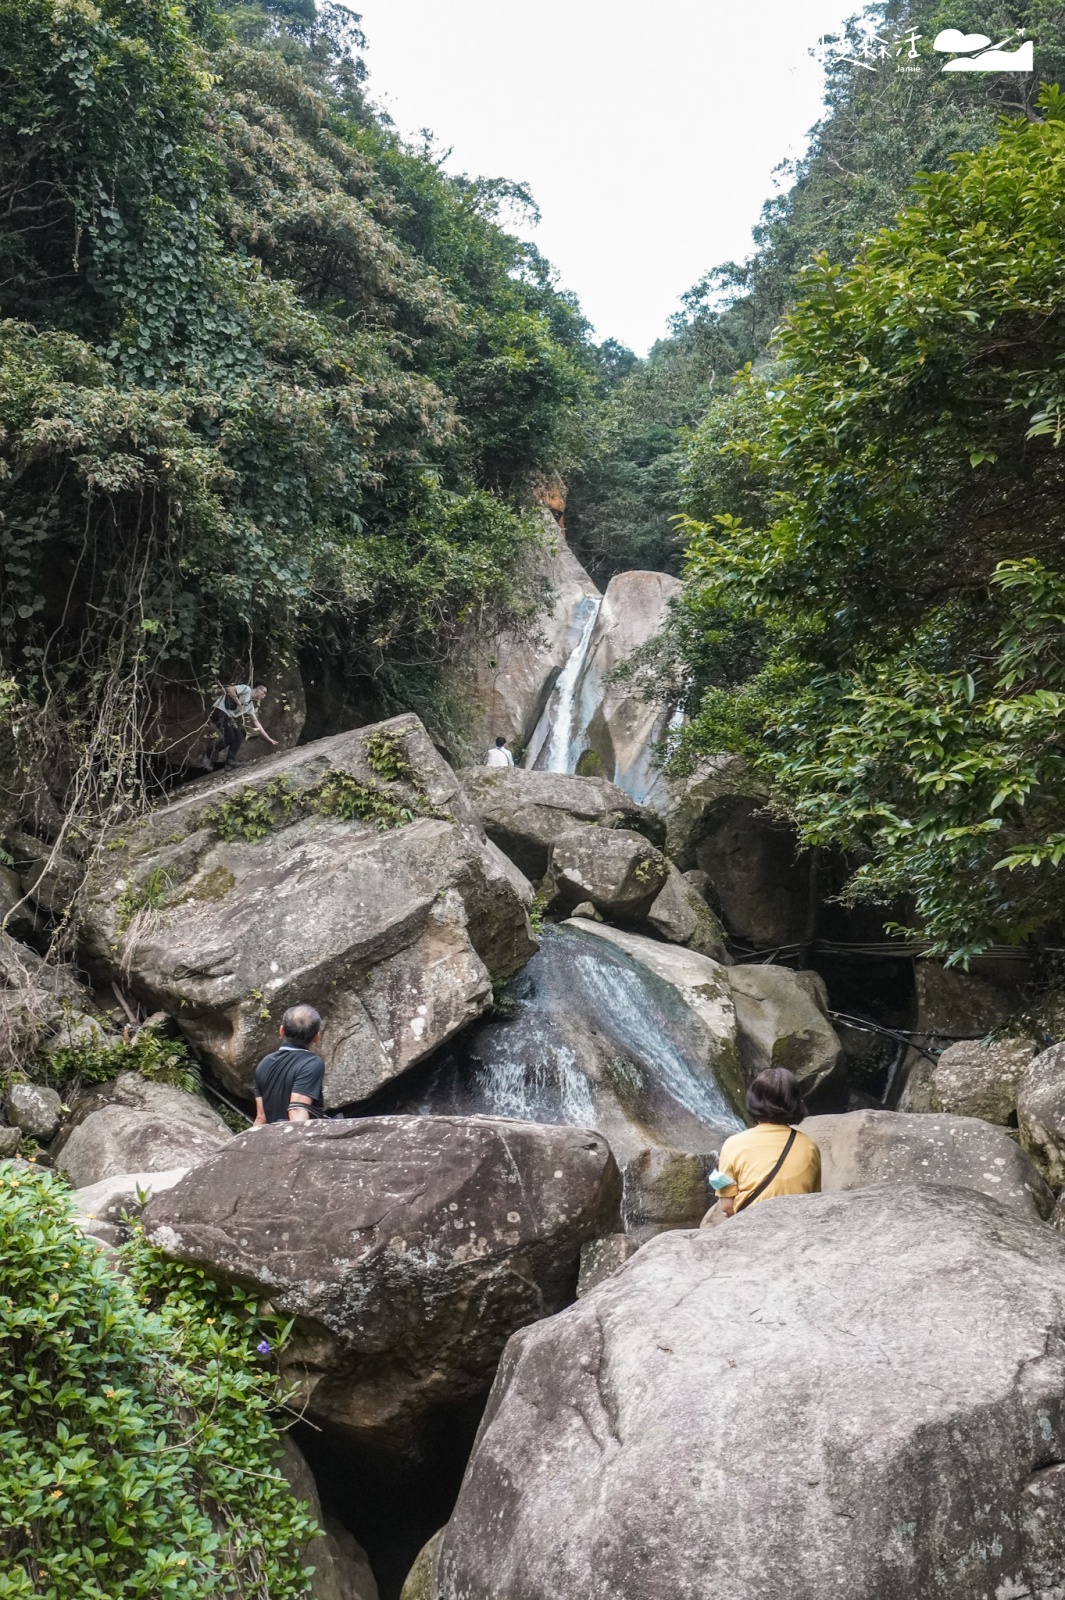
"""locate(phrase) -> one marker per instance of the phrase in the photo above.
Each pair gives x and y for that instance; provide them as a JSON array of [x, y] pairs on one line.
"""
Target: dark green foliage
[[137, 1447], [251, 814], [151, 1053], [266, 373], [906, 556]]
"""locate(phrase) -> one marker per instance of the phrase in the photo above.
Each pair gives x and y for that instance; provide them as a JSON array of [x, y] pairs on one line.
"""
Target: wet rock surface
[[397, 933], [409, 1249], [508, 677], [592, 1034], [618, 724], [863, 1147], [847, 1395]]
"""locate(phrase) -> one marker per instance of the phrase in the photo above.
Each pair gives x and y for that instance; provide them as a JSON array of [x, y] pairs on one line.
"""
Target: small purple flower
[[263, 1347]]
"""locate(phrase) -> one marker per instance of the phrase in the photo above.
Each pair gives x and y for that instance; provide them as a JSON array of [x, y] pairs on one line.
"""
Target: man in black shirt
[[288, 1082]]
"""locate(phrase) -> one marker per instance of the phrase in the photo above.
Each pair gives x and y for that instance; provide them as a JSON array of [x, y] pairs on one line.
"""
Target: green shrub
[[150, 1053], [137, 1445]]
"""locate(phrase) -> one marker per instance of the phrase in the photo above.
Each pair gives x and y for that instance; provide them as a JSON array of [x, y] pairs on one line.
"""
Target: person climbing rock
[[238, 702], [769, 1159], [499, 755], [288, 1082]]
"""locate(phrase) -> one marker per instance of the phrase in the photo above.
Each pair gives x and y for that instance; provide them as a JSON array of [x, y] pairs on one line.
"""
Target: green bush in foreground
[[137, 1449]]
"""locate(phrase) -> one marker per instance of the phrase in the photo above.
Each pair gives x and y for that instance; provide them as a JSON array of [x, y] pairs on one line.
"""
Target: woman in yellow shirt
[[772, 1157]]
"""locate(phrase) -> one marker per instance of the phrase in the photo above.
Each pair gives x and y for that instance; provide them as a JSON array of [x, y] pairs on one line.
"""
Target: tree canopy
[[897, 538], [266, 372]]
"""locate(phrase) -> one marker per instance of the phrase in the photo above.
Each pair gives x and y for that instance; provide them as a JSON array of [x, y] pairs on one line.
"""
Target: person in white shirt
[[238, 702], [499, 755]]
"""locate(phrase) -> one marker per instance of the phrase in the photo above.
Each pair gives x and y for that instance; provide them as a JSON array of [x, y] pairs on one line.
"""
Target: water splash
[[561, 754]]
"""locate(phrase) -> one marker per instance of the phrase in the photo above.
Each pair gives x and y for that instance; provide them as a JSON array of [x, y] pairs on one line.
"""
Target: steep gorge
[[309, 408]]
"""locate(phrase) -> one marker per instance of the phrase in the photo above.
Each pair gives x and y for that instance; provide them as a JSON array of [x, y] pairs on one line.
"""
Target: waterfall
[[561, 757], [593, 1039]]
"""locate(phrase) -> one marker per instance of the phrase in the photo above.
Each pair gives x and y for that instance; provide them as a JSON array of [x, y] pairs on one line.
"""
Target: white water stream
[[561, 756]]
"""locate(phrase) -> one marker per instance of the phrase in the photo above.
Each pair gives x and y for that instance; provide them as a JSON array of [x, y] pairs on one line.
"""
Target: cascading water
[[561, 754], [593, 1039]]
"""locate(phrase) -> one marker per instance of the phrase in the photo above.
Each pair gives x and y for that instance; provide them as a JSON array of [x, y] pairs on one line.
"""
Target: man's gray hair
[[300, 1024]]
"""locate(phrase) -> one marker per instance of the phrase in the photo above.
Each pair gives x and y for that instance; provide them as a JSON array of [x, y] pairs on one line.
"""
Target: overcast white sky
[[648, 133]]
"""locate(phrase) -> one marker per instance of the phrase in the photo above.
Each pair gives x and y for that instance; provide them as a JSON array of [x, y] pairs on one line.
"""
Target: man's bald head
[[301, 1024]]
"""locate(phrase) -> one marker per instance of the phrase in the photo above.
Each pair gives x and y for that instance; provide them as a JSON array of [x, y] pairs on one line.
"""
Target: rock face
[[974, 1079], [862, 1147], [506, 679], [664, 1189], [780, 1014], [1041, 1112], [680, 914], [620, 726], [409, 1249], [950, 1002], [43, 1007], [760, 880], [524, 813], [617, 871], [834, 1397], [101, 1209], [259, 892], [595, 1035], [34, 1109], [133, 1126], [611, 727], [783, 1022]]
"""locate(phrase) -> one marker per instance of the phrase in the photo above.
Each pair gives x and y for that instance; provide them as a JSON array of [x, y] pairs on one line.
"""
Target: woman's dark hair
[[775, 1096]]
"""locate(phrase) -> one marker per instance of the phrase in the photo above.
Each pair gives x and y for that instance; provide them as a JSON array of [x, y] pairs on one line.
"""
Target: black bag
[[767, 1180]]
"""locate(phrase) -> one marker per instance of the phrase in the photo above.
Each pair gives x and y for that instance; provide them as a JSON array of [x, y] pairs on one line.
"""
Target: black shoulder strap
[[767, 1180]]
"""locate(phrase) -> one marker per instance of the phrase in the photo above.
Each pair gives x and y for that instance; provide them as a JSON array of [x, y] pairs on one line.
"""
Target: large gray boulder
[[833, 1397], [524, 813], [717, 822], [132, 1125], [783, 1022], [862, 1147], [43, 1007], [105, 1210], [617, 871], [34, 1108], [951, 1002], [1041, 1113], [620, 726], [680, 914], [974, 1078], [408, 1249], [780, 1014], [350, 873], [602, 1029]]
